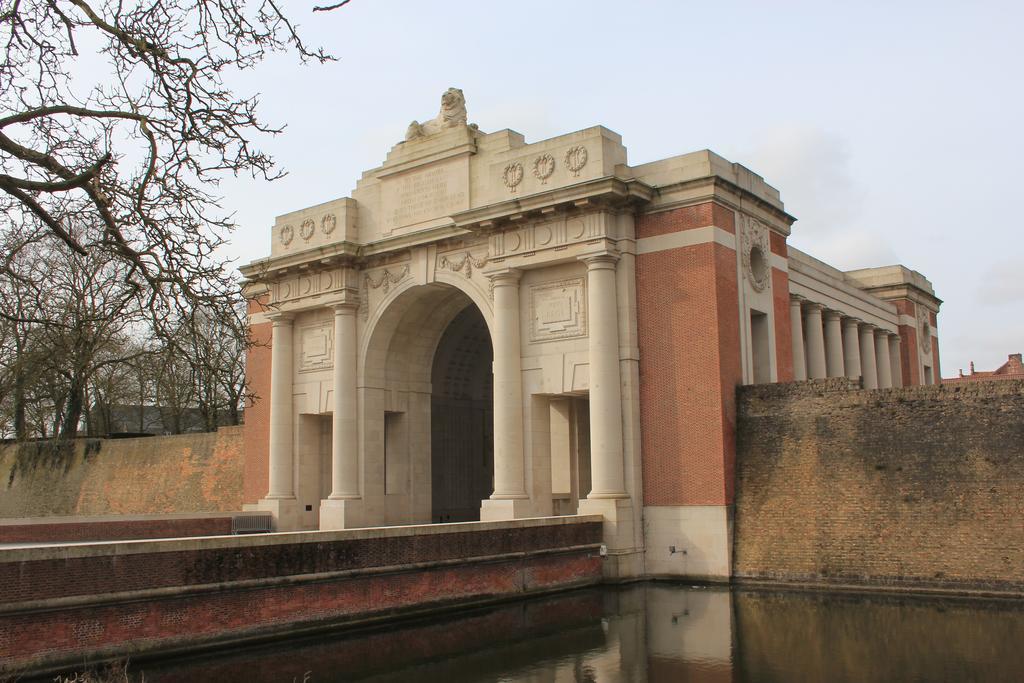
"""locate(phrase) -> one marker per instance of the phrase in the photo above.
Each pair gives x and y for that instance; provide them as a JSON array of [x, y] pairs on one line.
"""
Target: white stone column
[[282, 482], [815, 342], [607, 471], [896, 359], [509, 467], [345, 444], [796, 325], [833, 344], [868, 371], [882, 361], [851, 347]]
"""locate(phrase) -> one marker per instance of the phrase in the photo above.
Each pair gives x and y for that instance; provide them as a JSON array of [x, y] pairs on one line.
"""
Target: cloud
[[1001, 284], [812, 169]]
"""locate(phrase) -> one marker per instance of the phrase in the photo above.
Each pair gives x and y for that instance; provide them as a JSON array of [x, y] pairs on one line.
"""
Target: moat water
[[653, 632]]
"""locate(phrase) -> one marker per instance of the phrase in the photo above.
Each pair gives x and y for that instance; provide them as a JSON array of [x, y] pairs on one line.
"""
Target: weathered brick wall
[[920, 486], [63, 605], [163, 474]]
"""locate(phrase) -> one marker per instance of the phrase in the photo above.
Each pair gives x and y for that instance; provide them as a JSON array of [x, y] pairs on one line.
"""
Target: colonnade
[[828, 343], [605, 395], [606, 446], [345, 441]]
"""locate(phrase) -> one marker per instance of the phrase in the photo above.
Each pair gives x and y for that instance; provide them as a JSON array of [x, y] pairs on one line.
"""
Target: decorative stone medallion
[[513, 175], [924, 328], [558, 310], [287, 235], [576, 159], [307, 229], [329, 223], [543, 167], [756, 254]]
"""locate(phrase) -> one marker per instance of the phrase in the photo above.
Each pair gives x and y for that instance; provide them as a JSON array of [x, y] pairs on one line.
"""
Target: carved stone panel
[[307, 285], [558, 310], [316, 346], [427, 193]]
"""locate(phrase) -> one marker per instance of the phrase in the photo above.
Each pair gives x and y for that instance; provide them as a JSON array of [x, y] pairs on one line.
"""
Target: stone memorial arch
[[489, 329]]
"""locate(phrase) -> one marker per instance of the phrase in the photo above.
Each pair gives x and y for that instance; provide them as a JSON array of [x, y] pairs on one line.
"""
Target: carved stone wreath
[[329, 223], [576, 159], [543, 167], [755, 254], [513, 175], [287, 235], [924, 328], [307, 229]]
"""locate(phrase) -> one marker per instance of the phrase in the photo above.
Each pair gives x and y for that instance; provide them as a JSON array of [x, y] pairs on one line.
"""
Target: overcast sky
[[891, 129]]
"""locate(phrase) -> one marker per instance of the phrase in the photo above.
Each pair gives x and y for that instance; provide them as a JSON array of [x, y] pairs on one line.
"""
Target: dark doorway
[[462, 419]]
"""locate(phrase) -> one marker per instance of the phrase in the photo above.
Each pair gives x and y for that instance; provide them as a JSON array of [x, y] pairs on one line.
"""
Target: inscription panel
[[436, 191], [558, 310], [316, 346]]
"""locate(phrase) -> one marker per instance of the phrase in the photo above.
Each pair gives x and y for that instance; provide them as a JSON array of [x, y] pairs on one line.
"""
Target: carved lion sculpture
[[453, 113]]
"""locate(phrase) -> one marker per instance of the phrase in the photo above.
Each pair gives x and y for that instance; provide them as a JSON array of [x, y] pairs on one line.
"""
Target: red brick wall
[[688, 320], [686, 218], [114, 530], [286, 585], [257, 412], [919, 486], [908, 356]]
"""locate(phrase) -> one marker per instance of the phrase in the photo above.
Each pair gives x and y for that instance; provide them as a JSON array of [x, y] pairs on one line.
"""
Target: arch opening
[[462, 419], [427, 386]]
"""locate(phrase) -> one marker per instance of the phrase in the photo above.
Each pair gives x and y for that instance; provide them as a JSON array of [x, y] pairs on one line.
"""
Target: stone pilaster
[[815, 342], [882, 362], [282, 484], [796, 324], [851, 347], [894, 358], [509, 499], [868, 369], [280, 500], [607, 471], [833, 344], [338, 511]]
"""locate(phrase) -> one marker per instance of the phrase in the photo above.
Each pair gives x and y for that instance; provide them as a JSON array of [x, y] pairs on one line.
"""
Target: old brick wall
[[163, 474], [82, 529], [921, 486], [63, 605]]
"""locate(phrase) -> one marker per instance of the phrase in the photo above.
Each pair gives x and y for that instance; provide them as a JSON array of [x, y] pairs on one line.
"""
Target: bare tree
[[71, 317], [135, 154], [139, 151]]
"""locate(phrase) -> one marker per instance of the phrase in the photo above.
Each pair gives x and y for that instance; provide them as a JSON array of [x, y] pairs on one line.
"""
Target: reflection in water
[[654, 632]]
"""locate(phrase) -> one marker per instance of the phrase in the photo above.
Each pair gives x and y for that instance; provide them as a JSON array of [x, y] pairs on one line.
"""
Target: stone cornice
[[338, 253], [714, 183], [609, 190]]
